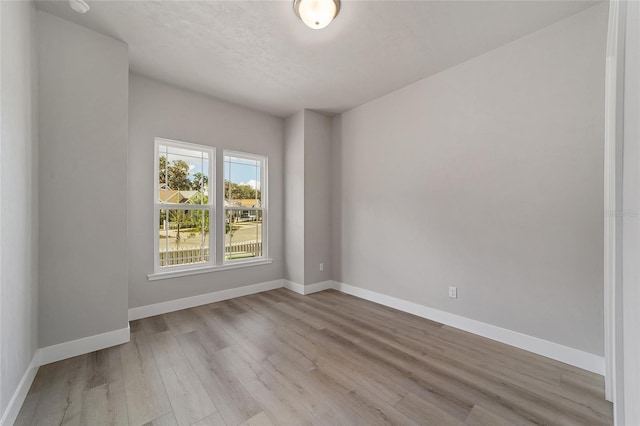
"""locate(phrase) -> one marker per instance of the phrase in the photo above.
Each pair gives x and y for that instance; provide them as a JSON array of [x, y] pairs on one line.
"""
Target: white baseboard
[[201, 299], [15, 403], [83, 346], [556, 351], [309, 288], [293, 286], [316, 287]]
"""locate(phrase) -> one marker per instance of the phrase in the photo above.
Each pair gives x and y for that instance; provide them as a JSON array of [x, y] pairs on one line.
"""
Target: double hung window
[[184, 205], [190, 234]]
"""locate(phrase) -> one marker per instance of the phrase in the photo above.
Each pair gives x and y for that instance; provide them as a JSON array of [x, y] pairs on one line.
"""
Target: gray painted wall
[[307, 197], [83, 78], [335, 183], [294, 185], [317, 197], [158, 109], [18, 196], [488, 177]]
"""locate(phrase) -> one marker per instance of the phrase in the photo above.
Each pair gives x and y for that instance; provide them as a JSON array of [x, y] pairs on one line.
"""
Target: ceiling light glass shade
[[316, 14], [79, 6]]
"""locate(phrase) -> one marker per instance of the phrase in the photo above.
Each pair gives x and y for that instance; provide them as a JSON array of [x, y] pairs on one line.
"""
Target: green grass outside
[[239, 256]]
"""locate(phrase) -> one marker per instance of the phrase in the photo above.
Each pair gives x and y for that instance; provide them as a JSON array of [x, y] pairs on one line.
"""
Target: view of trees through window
[[243, 180], [185, 214]]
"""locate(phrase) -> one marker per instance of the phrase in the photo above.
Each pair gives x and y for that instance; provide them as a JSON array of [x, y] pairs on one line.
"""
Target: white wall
[[294, 183], [317, 197], [158, 109], [489, 177], [18, 196], [83, 78]]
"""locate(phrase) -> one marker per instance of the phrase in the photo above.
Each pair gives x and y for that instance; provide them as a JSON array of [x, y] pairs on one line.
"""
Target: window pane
[[243, 231], [242, 182], [183, 176], [184, 236]]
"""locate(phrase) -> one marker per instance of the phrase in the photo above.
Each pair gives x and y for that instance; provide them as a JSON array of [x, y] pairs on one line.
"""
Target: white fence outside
[[193, 255]]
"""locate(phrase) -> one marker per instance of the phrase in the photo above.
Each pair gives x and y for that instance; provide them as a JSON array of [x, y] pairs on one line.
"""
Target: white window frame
[[158, 206], [264, 203]]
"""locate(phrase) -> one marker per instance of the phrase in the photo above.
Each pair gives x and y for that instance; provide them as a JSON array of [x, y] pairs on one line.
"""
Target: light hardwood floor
[[327, 358]]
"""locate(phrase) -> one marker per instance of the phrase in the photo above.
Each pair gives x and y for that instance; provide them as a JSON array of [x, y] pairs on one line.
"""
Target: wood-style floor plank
[[212, 420], [105, 404], [280, 404], [152, 325], [423, 412], [234, 402], [103, 367], [165, 420], [481, 417], [280, 358], [189, 400], [319, 399], [260, 419], [60, 400], [28, 409], [146, 397]]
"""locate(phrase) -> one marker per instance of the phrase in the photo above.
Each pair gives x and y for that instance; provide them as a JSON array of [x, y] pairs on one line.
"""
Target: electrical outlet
[[322, 266], [453, 292]]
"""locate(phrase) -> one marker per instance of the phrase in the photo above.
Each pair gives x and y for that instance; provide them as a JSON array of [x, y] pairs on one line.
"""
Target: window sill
[[204, 270]]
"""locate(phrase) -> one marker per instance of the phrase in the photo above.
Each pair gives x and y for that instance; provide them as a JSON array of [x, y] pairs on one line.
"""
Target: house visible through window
[[184, 206], [186, 219], [245, 206]]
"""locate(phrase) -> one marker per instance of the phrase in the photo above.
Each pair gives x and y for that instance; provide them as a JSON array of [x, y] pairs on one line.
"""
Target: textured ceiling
[[259, 54]]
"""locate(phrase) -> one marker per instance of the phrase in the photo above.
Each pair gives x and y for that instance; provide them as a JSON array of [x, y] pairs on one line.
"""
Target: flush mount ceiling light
[[79, 6], [316, 14]]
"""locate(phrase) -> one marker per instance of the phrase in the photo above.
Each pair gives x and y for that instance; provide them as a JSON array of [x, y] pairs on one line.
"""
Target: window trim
[[264, 208], [157, 206], [206, 269]]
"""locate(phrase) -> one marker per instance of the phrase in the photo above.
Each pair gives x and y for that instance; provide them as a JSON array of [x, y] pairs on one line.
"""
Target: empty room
[[327, 212]]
